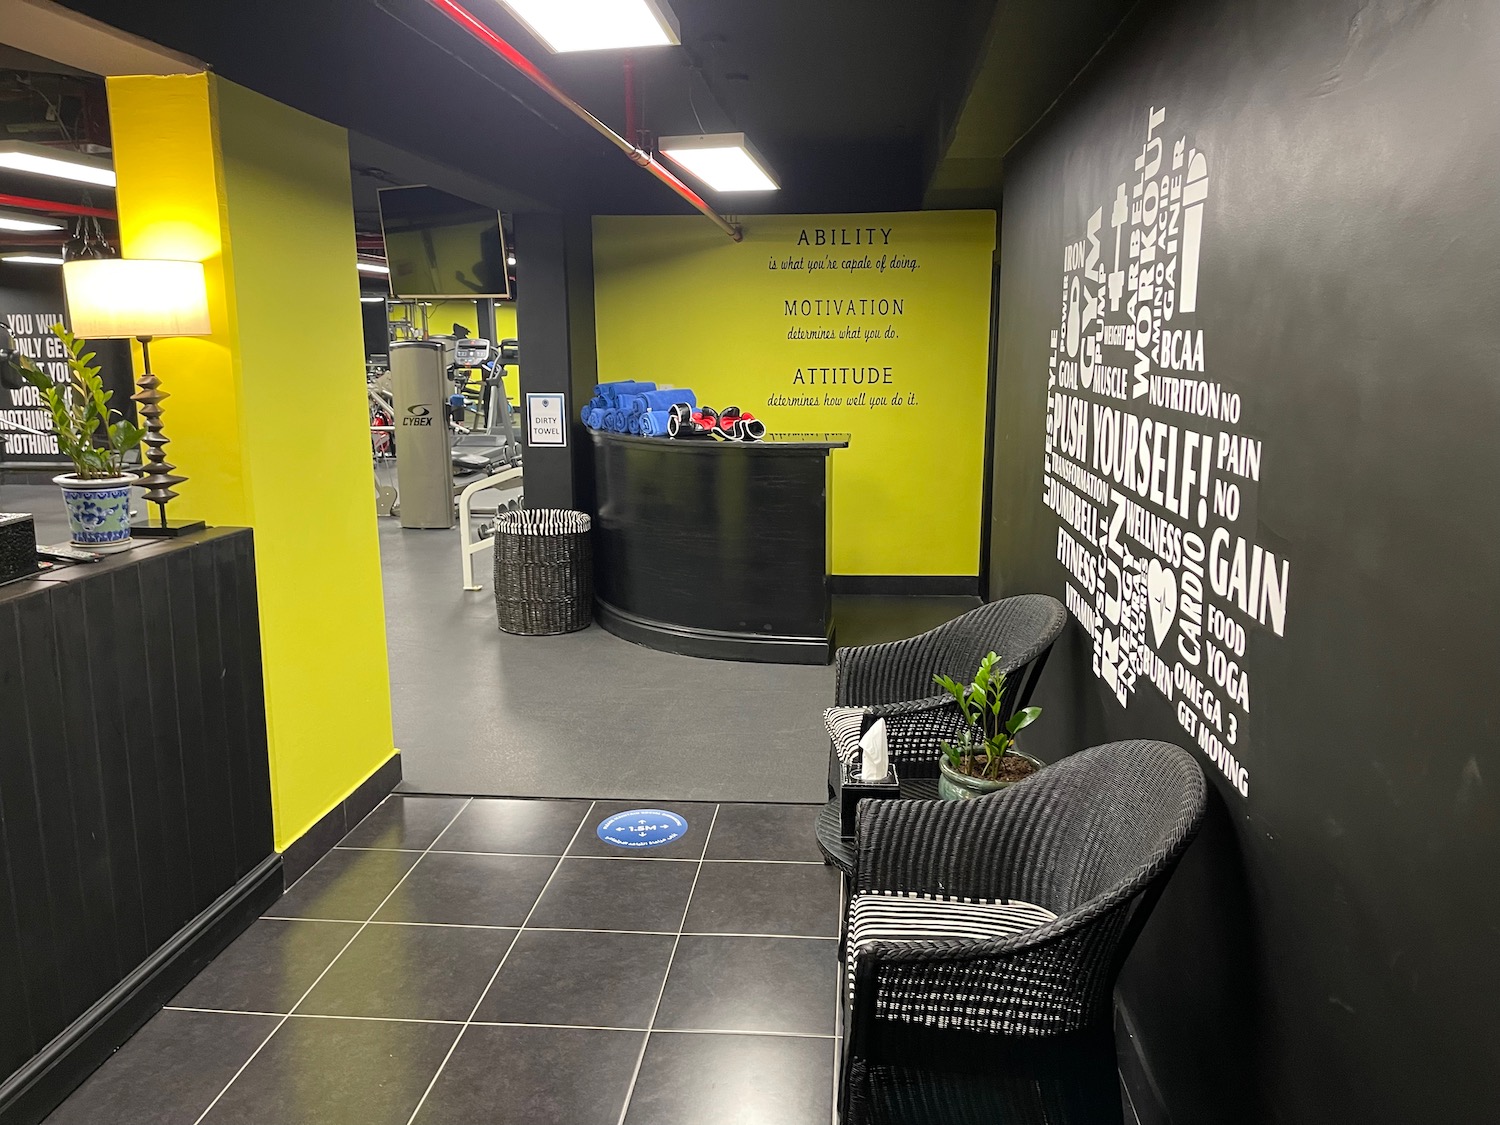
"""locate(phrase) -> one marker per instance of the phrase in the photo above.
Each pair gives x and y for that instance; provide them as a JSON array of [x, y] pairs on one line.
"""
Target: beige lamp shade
[[120, 297]]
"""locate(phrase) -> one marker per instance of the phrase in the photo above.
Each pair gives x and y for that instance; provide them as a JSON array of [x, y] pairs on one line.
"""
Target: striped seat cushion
[[909, 917], [913, 730]]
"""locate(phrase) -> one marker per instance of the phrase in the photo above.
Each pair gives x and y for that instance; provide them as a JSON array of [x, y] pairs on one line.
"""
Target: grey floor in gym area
[[479, 711]]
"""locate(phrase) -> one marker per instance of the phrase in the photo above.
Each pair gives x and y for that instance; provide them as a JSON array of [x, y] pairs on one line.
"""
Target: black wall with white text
[[1328, 950]]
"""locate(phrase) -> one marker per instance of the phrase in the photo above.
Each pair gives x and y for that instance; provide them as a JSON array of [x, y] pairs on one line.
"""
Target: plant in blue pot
[[96, 439]]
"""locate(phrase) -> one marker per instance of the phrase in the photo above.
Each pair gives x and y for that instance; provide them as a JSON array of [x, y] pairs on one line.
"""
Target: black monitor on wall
[[439, 245]]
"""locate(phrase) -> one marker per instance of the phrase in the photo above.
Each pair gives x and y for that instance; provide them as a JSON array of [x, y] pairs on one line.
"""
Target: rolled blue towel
[[633, 404], [654, 423], [634, 424], [593, 418], [611, 392], [614, 421], [665, 399]]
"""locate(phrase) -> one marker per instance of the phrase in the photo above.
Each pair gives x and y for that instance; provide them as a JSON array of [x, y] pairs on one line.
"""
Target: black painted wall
[[38, 290], [555, 316], [1328, 950]]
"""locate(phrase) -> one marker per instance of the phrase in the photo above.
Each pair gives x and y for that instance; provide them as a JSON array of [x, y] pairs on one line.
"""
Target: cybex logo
[[417, 415]]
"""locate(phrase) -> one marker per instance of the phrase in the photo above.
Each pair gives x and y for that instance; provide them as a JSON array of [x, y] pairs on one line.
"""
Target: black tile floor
[[492, 961]]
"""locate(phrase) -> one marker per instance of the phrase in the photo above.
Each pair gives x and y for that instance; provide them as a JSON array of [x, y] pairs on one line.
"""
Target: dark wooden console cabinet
[[717, 549], [135, 801]]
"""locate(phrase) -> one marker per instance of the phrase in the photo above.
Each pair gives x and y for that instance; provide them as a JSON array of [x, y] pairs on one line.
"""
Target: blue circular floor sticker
[[642, 828]]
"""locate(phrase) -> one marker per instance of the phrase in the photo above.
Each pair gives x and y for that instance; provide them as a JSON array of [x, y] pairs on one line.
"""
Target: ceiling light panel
[[723, 161], [56, 163], [597, 25], [25, 221]]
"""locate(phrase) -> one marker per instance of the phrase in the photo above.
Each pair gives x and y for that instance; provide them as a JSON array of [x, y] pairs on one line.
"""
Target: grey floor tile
[[765, 898], [689, 846], [344, 885], [751, 984], [336, 1072], [733, 1080], [409, 823], [534, 1076], [598, 894], [268, 967], [784, 832], [410, 972], [584, 979], [469, 890], [168, 1072], [526, 827]]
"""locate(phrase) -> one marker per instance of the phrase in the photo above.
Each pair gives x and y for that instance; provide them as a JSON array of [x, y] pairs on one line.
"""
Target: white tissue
[[874, 753]]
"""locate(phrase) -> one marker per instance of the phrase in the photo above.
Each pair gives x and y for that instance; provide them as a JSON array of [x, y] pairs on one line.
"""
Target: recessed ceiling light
[[723, 161], [371, 267], [58, 163], [510, 260], [24, 221], [32, 259], [597, 25]]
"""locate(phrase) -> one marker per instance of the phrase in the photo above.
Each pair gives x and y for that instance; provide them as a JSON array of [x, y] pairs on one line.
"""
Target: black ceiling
[[846, 98]]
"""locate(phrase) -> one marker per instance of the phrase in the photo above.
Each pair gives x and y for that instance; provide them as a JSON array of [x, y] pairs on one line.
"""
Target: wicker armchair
[[896, 678], [1092, 838], [1020, 630]]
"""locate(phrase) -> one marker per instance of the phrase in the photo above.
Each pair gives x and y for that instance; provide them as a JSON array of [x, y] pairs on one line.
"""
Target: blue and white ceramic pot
[[98, 511]]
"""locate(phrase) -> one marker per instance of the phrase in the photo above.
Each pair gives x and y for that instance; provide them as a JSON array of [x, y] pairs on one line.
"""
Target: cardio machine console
[[472, 352]]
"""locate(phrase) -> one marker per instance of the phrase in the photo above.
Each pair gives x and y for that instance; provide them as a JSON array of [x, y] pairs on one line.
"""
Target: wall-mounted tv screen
[[438, 245]]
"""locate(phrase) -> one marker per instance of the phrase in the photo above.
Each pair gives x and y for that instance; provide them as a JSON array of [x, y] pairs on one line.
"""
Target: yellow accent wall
[[268, 414], [876, 325]]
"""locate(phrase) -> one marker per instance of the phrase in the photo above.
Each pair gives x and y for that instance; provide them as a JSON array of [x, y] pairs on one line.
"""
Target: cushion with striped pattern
[[910, 917], [913, 729]]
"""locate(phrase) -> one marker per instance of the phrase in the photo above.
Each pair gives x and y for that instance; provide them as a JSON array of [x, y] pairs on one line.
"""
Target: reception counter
[[714, 548]]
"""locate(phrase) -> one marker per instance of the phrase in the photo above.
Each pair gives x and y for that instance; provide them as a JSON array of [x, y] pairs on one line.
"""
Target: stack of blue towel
[[634, 408]]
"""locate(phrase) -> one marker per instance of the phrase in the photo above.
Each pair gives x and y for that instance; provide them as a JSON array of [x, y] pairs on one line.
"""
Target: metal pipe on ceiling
[[486, 35]]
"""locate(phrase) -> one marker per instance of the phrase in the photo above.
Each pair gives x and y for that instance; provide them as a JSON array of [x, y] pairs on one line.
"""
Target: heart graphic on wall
[[1161, 585]]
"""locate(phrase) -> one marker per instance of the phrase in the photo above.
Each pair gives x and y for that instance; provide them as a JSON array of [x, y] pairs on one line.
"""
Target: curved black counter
[[714, 548]]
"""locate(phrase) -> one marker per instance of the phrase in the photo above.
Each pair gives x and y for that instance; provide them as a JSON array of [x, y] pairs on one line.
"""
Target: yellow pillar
[[268, 416]]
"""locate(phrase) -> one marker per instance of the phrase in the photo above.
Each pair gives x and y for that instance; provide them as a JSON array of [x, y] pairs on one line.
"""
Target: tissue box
[[17, 546], [852, 790]]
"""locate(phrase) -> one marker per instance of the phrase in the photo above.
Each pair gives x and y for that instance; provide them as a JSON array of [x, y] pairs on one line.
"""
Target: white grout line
[[623, 855], [491, 982], [655, 1008], [503, 1023], [280, 1023], [558, 929], [838, 1020]]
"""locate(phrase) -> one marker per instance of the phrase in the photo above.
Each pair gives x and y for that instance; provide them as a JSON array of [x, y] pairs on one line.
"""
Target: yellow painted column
[[268, 416]]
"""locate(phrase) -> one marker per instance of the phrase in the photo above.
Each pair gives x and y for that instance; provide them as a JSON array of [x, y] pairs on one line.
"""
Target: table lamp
[[144, 298]]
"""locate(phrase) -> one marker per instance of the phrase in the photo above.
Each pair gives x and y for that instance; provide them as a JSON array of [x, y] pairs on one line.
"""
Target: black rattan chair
[[933, 1027], [897, 676]]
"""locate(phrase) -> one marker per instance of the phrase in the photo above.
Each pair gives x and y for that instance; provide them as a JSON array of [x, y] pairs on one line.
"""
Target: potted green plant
[[96, 439], [984, 759]]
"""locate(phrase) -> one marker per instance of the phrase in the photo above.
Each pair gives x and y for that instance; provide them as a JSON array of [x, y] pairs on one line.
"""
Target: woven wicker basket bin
[[544, 572]]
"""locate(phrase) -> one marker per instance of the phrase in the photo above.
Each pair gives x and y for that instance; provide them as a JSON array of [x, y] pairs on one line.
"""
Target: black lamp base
[[170, 530]]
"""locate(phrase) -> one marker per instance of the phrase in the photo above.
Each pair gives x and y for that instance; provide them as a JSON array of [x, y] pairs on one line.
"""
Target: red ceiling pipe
[[28, 204], [486, 35]]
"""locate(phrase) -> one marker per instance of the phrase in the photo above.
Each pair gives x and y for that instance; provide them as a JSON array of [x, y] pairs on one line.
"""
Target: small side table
[[839, 850]]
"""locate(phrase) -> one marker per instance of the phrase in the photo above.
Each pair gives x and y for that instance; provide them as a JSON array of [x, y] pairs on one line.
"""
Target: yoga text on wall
[[1152, 480]]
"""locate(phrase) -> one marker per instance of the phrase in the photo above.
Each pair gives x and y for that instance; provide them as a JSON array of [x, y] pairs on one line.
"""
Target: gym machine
[[424, 440]]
